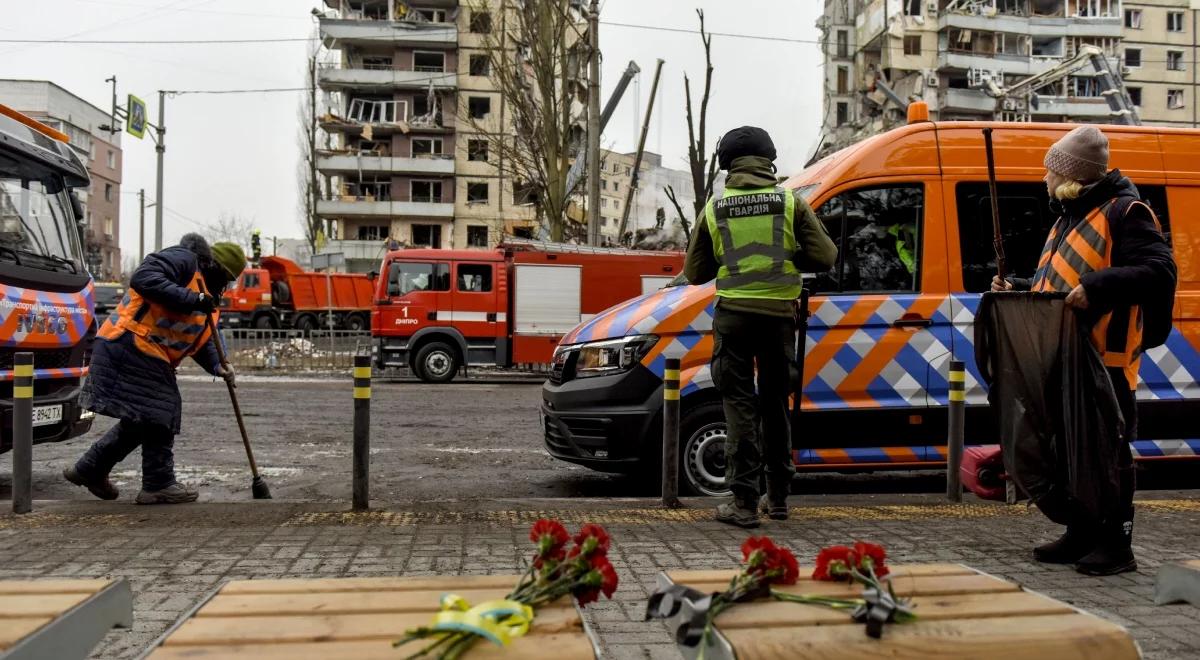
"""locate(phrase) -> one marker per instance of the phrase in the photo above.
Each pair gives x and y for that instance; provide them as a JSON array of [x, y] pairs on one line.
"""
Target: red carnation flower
[[549, 535], [756, 543], [871, 557], [608, 575], [592, 540], [552, 555], [783, 561], [834, 563]]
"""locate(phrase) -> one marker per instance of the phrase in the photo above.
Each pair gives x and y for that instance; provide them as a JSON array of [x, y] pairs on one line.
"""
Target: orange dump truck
[[278, 293]]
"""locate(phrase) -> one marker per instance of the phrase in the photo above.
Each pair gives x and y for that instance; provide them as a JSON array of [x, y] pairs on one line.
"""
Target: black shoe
[[176, 493], [775, 510], [1114, 554], [102, 488], [1072, 546], [732, 513]]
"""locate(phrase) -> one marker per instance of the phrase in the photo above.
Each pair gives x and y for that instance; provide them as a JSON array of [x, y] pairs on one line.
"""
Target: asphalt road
[[460, 441]]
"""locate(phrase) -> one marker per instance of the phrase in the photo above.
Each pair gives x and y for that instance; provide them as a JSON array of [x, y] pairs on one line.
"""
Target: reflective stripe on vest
[[754, 240], [159, 332], [1087, 248]]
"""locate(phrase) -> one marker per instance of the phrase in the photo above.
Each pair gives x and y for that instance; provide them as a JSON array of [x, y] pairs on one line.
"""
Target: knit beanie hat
[[1081, 155], [744, 141], [231, 257]]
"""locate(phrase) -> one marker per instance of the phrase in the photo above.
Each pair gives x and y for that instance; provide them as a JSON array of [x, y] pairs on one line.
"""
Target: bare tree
[[704, 170], [536, 51], [306, 171], [230, 228], [684, 224]]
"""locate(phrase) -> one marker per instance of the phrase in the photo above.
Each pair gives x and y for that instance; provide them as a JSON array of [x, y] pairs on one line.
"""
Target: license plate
[[47, 415]]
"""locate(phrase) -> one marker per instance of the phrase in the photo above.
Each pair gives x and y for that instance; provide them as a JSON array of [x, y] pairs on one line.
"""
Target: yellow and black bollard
[[957, 428], [362, 432], [670, 467], [22, 449]]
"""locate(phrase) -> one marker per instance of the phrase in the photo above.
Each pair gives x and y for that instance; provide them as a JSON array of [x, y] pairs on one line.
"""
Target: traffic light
[[255, 247]]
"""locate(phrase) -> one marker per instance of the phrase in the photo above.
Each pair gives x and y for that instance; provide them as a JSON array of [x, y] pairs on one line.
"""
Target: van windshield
[[37, 226]]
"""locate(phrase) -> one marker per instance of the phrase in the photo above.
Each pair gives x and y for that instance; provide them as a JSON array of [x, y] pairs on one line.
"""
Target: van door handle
[[912, 321]]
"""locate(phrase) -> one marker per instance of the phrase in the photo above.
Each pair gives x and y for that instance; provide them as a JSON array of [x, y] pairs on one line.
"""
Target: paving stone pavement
[[174, 556]]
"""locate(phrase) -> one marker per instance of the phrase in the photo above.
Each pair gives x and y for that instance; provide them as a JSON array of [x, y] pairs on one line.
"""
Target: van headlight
[[613, 356]]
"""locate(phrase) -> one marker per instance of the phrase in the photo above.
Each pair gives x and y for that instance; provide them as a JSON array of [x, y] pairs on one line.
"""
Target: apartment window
[[426, 147], [479, 106], [420, 105], [108, 192], [603, 184], [843, 113], [433, 15], [433, 62], [1133, 57], [628, 170], [1047, 46], [426, 191], [1135, 95], [371, 111], [912, 7], [603, 202], [477, 236], [108, 227], [481, 65], [1174, 99], [1133, 19], [477, 150], [617, 204], [112, 160], [372, 232], [843, 43], [377, 189], [843, 80], [912, 45], [524, 193], [1175, 21], [481, 22], [430, 236], [377, 62], [477, 193], [1175, 60], [616, 187]]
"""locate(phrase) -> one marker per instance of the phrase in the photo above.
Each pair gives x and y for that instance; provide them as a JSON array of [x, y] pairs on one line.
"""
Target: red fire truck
[[278, 293], [438, 310]]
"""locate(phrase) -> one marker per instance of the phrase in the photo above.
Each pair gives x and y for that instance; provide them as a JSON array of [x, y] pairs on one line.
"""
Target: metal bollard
[[22, 449], [362, 431], [955, 435], [670, 467]]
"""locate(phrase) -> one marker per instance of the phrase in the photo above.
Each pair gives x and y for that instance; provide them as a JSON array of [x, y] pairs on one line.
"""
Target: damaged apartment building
[[962, 57], [407, 110]]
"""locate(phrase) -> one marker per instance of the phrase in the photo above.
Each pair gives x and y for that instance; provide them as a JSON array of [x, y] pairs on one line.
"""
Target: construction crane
[[1112, 88]]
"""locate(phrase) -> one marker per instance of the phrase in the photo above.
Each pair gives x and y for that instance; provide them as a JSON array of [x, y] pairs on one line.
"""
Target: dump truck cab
[[46, 299]]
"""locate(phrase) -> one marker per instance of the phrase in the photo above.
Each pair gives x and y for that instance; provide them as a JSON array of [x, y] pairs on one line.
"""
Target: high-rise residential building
[[649, 199], [97, 148], [1159, 54], [409, 109], [881, 55]]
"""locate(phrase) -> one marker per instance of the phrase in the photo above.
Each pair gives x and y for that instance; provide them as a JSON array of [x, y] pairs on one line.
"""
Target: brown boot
[[102, 488]]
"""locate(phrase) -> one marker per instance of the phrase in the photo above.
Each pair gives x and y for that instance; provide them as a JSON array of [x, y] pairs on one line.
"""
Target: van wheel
[[436, 363], [702, 454], [306, 323]]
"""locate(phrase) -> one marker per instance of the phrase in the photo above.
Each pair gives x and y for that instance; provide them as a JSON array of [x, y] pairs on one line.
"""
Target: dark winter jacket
[[124, 382], [1141, 259], [816, 251]]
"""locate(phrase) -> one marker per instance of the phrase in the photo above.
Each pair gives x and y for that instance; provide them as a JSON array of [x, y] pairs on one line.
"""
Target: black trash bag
[[1058, 418]]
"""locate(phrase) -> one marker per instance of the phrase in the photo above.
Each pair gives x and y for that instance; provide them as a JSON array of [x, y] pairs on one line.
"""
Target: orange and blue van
[[910, 213]]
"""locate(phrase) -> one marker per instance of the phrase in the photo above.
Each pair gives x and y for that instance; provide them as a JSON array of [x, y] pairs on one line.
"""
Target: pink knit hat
[[1081, 155]]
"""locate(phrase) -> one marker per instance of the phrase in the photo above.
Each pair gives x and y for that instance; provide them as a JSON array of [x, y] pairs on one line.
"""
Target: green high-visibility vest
[[754, 240]]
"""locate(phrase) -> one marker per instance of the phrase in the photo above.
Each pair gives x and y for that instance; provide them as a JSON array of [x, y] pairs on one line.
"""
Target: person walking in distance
[[164, 318], [1107, 253], [754, 241]]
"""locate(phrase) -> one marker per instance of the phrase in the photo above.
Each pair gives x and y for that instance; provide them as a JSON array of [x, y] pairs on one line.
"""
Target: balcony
[[355, 250], [441, 165], [335, 31], [1010, 64], [1079, 107], [869, 23], [349, 207], [971, 100], [1037, 26], [335, 76]]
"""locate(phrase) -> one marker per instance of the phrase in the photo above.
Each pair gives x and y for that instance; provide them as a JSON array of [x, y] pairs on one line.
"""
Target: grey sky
[[238, 153]]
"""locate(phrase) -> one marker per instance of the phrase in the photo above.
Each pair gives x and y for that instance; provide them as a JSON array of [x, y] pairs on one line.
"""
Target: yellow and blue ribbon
[[498, 621]]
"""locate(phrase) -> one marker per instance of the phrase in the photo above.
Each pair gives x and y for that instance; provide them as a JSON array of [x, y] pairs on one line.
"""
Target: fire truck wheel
[[702, 454], [436, 363]]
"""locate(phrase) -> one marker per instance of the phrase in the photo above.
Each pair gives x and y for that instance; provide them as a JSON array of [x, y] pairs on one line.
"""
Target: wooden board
[[52, 586], [59, 618], [13, 630], [962, 613], [355, 618]]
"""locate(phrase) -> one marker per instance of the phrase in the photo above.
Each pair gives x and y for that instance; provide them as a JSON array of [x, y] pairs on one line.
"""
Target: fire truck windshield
[[37, 227]]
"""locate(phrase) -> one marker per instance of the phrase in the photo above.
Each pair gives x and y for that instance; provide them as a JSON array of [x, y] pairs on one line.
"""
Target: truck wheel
[[702, 454], [264, 322], [356, 323], [436, 363], [306, 323]]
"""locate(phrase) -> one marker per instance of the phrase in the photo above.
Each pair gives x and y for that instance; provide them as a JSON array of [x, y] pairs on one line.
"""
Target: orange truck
[[278, 293], [46, 296], [910, 213]]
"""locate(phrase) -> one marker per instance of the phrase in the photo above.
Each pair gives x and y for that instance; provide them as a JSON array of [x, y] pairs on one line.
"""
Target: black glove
[[205, 303]]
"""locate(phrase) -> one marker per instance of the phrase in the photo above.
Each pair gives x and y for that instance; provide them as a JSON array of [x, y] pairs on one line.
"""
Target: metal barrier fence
[[295, 350]]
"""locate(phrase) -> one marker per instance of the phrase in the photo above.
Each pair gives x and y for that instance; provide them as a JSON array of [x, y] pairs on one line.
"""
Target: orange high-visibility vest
[[157, 331], [1087, 248]]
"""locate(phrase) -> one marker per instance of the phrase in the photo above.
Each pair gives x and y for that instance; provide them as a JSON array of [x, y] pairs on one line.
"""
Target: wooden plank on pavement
[[14, 630], [1052, 637], [433, 582], [27, 605], [347, 602], [51, 586], [539, 647]]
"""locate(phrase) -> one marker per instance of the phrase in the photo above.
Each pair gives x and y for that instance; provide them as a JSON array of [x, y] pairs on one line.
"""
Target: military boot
[[774, 508], [102, 488], [1114, 554], [1073, 545], [176, 493], [738, 514]]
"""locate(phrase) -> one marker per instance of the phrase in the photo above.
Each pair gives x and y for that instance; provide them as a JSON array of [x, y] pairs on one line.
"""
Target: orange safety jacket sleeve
[[1141, 262]]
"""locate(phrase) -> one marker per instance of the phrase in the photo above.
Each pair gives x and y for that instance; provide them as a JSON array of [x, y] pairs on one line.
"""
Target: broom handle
[[237, 410]]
